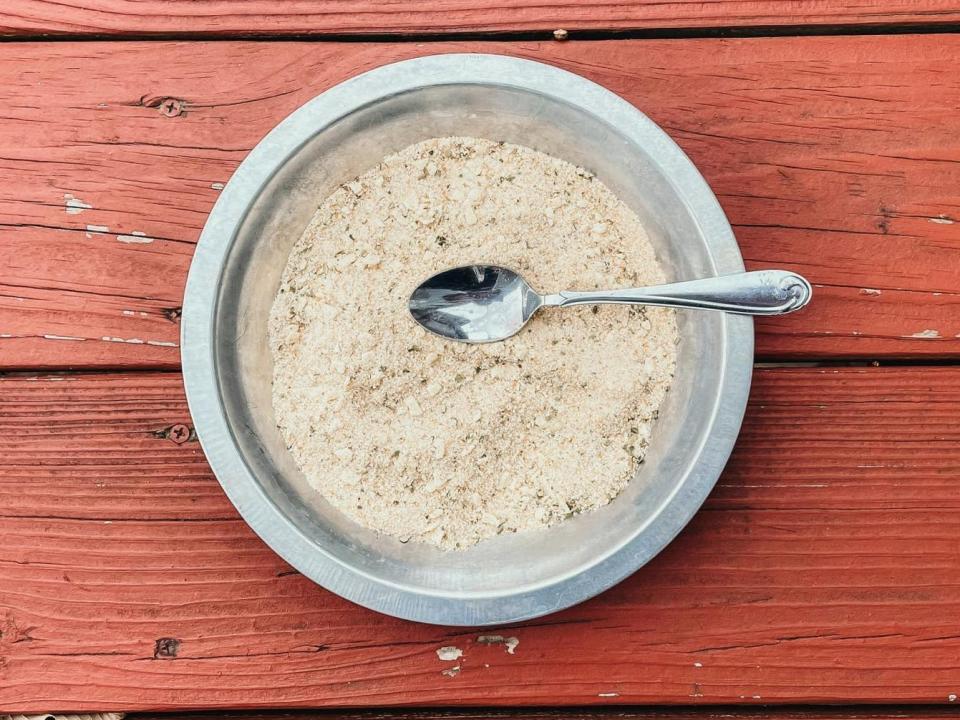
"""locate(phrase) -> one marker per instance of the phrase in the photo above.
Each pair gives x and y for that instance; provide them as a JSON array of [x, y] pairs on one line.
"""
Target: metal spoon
[[487, 303]]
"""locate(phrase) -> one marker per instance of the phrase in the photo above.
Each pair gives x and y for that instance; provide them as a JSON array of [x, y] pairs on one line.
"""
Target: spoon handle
[[761, 292]]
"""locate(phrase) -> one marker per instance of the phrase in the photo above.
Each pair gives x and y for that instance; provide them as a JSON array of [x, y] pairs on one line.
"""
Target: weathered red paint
[[835, 156], [822, 568]]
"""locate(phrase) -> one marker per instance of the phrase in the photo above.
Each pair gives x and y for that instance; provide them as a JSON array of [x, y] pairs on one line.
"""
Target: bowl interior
[[251, 276]]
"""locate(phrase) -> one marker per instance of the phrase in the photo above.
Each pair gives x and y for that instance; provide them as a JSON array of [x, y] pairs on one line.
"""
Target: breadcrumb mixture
[[441, 442]]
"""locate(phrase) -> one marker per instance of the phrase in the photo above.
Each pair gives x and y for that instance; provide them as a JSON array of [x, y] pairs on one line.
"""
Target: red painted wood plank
[[835, 156], [823, 569], [324, 17]]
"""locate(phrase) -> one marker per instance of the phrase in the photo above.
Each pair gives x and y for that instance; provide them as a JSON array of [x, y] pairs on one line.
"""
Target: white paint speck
[[952, 697], [870, 291], [926, 334], [5, 335], [511, 644], [74, 206], [97, 229], [160, 343], [217, 186], [755, 697], [134, 341], [937, 294], [608, 694], [135, 237], [451, 672], [63, 337], [698, 664], [942, 220], [129, 313], [449, 653]]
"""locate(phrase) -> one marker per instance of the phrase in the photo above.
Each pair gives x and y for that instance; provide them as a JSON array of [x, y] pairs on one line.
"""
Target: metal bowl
[[236, 272]]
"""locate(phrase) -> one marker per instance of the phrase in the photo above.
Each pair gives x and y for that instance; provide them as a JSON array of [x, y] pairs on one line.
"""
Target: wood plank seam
[[541, 35], [709, 712]]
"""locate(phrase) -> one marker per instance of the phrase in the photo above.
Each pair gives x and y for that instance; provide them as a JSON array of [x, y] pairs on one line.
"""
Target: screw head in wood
[[179, 433]]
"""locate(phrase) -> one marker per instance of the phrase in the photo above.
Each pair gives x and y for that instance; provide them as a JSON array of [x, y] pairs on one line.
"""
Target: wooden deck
[[825, 567]]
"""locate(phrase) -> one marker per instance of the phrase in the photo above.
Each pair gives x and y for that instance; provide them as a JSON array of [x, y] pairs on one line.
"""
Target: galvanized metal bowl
[[236, 272]]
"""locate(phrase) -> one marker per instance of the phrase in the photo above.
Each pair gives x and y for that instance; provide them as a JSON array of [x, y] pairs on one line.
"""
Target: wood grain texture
[[824, 568], [838, 157], [364, 17]]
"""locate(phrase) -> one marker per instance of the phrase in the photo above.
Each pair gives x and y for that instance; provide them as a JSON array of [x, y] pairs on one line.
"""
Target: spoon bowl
[[475, 303]]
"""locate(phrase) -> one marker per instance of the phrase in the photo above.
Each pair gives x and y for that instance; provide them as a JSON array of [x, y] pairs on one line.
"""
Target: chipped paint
[[74, 205], [942, 220], [135, 237], [510, 643], [451, 672], [63, 337], [698, 664], [952, 697], [870, 291], [608, 694], [449, 653], [138, 341], [216, 186], [129, 313], [5, 335], [925, 335]]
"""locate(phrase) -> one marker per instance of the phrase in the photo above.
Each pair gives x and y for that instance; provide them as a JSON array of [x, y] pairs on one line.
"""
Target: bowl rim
[[200, 373]]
